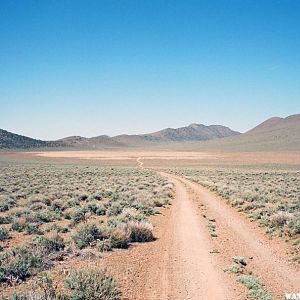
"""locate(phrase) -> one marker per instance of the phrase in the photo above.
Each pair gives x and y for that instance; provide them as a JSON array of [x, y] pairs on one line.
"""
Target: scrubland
[[51, 213]]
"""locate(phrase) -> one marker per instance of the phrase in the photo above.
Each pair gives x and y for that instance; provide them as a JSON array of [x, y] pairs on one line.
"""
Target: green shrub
[[79, 215], [4, 234], [105, 245], [239, 260], [114, 209], [19, 264], [7, 203], [45, 245], [92, 284], [101, 210], [5, 220], [87, 234], [18, 226], [255, 288], [46, 216]]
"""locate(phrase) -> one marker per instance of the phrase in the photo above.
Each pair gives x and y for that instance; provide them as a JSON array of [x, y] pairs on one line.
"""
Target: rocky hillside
[[10, 140]]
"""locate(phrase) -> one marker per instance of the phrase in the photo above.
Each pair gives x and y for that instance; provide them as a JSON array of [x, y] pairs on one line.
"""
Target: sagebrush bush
[[140, 231], [119, 237], [255, 288], [87, 234], [4, 234], [92, 284], [19, 264], [105, 245], [45, 246], [280, 218]]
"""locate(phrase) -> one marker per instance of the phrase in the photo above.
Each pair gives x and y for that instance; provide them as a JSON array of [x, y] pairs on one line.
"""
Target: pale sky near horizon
[[93, 67]]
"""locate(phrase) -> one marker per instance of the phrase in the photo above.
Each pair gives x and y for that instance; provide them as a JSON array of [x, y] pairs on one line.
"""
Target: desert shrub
[[38, 206], [83, 197], [87, 234], [91, 207], [57, 228], [32, 229], [119, 237], [4, 234], [92, 284], [114, 209], [45, 246], [79, 215], [43, 289], [46, 216], [238, 266], [23, 225], [58, 206], [5, 220], [19, 264], [140, 231], [18, 226], [280, 218], [239, 260], [101, 210], [105, 245], [131, 214], [7, 203], [255, 288], [295, 226]]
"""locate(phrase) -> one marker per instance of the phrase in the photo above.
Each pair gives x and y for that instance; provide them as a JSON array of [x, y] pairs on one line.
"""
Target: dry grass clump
[[140, 231]]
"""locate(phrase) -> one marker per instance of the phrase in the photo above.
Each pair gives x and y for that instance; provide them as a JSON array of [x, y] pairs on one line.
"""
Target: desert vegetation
[[52, 213], [255, 288]]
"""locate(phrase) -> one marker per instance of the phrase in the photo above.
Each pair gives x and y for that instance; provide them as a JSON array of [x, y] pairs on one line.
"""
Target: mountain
[[98, 142], [10, 140], [193, 132], [274, 134]]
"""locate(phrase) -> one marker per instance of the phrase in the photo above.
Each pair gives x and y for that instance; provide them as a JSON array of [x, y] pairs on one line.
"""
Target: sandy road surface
[[187, 269]]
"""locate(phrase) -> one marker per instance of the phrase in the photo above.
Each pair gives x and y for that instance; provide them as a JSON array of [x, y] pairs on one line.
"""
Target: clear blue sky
[[132, 66]]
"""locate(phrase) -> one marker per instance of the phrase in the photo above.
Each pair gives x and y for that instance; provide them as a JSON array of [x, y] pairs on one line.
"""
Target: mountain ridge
[[274, 134], [193, 132]]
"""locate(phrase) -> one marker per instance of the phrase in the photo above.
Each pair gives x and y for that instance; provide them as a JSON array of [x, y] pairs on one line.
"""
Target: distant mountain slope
[[98, 142], [272, 135], [10, 140], [193, 132]]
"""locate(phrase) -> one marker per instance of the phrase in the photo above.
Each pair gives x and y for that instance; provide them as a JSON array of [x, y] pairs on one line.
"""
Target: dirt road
[[187, 269]]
